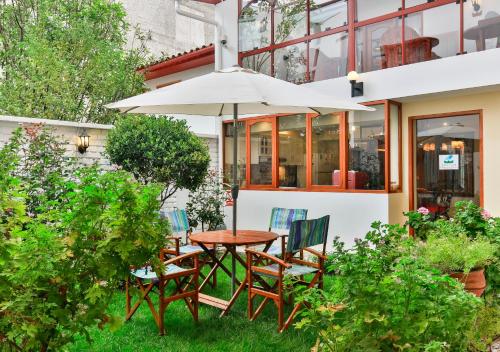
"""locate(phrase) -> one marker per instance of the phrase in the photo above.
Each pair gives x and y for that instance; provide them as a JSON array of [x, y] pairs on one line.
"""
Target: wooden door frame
[[411, 151]]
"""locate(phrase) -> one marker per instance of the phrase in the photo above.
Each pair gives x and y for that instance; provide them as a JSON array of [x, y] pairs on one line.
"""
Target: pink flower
[[423, 211], [485, 214]]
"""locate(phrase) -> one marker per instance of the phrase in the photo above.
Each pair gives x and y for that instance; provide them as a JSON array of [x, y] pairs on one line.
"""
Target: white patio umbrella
[[234, 91]]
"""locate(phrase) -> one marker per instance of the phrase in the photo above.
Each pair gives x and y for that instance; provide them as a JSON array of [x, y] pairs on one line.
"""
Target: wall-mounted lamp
[[476, 5], [356, 87], [83, 142]]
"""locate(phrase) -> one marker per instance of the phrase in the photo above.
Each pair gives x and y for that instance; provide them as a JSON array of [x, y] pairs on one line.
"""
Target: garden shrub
[[60, 266], [386, 298], [159, 150]]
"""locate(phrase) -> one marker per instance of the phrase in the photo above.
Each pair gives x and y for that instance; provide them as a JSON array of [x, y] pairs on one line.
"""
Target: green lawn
[[232, 333]]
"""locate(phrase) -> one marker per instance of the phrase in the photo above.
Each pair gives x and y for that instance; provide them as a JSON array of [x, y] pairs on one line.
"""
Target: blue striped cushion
[[282, 218], [148, 272]]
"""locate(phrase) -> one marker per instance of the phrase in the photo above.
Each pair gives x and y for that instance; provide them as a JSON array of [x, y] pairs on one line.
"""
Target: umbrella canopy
[[215, 93]]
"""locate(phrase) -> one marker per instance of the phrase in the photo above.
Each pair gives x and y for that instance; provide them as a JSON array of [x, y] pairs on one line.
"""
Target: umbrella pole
[[234, 189]]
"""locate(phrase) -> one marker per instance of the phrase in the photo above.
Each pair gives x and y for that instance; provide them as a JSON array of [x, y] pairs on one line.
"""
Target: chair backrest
[[282, 218], [178, 220], [308, 233]]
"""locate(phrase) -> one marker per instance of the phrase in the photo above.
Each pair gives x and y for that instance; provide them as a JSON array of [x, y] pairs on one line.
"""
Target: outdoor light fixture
[[83, 142], [476, 5], [356, 87]]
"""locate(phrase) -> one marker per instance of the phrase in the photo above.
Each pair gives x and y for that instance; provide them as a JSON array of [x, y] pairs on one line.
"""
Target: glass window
[[259, 62], [292, 151], [378, 45], [429, 37], [395, 146], [481, 25], [328, 57], [228, 153], [411, 3], [366, 149], [290, 63], [326, 150], [366, 9], [327, 14], [261, 153], [447, 162], [254, 25], [290, 20]]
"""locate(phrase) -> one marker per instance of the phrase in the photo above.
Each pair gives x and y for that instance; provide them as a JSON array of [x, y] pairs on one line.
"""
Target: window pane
[[366, 9], [292, 151], [328, 57], [259, 62], [326, 150], [481, 25], [261, 152], [290, 20], [228, 153], [394, 120], [327, 14], [254, 25], [411, 3], [367, 149], [429, 37], [447, 162], [379, 45], [290, 63]]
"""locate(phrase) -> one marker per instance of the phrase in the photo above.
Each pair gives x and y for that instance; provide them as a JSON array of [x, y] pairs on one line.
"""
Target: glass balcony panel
[[290, 63], [429, 37], [290, 20], [326, 150], [328, 57], [411, 3], [481, 25], [254, 25], [259, 62], [292, 151], [378, 45], [327, 14], [366, 9]]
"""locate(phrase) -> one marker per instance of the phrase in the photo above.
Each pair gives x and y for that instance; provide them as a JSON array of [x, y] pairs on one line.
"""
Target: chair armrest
[[181, 257], [177, 241], [315, 252], [270, 257]]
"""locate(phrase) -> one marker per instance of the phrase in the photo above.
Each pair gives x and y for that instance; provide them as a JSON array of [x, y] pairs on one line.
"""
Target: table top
[[434, 41], [487, 28], [225, 237]]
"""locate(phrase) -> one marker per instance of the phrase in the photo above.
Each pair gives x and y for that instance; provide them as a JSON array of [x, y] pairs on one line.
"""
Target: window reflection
[[328, 57], [395, 146], [290, 20], [327, 14], [228, 153], [254, 25], [366, 149], [261, 150], [292, 151], [481, 25], [326, 150], [259, 62], [290, 63]]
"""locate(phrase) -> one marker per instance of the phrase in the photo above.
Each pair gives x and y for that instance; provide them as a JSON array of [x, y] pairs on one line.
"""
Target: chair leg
[[127, 295], [280, 305], [161, 312]]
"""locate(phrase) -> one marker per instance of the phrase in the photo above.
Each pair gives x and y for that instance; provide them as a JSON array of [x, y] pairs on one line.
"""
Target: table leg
[[219, 263], [212, 271], [233, 271]]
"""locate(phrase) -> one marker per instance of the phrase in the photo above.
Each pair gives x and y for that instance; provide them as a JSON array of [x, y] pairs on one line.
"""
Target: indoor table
[[226, 239]]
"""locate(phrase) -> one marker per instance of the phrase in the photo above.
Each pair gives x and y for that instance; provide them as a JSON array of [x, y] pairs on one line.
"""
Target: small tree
[[159, 150], [205, 206]]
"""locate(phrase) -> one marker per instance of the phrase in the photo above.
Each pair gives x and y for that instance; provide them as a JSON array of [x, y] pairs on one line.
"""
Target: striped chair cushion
[[295, 270], [282, 218], [307, 233], [178, 220], [148, 272]]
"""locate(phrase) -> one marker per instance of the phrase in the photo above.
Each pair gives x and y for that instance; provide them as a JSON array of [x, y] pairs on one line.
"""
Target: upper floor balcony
[[313, 40]]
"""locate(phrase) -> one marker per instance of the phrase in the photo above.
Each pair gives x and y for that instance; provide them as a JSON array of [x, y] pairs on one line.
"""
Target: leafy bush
[[386, 298], [60, 266], [205, 206], [159, 150]]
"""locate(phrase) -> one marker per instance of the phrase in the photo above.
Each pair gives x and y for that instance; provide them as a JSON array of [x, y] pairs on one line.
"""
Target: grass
[[211, 334]]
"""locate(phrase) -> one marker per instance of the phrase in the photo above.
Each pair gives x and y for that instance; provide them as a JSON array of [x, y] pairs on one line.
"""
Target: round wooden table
[[488, 28], [226, 239]]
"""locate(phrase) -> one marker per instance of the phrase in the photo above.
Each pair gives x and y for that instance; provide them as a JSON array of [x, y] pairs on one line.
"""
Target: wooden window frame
[[351, 27], [411, 151], [344, 157]]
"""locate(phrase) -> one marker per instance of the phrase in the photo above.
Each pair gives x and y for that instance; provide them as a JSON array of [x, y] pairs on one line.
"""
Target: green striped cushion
[[307, 233], [282, 218]]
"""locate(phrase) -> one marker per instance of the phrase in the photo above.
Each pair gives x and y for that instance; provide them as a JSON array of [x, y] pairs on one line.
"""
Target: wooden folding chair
[[185, 280], [303, 234], [181, 230]]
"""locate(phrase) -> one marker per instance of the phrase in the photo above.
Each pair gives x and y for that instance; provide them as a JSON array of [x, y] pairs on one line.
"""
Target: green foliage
[[160, 150], [388, 299], [66, 59], [205, 206], [487, 328], [449, 249], [60, 266]]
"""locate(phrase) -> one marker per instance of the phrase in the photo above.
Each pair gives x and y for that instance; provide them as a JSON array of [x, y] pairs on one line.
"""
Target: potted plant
[[449, 249]]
